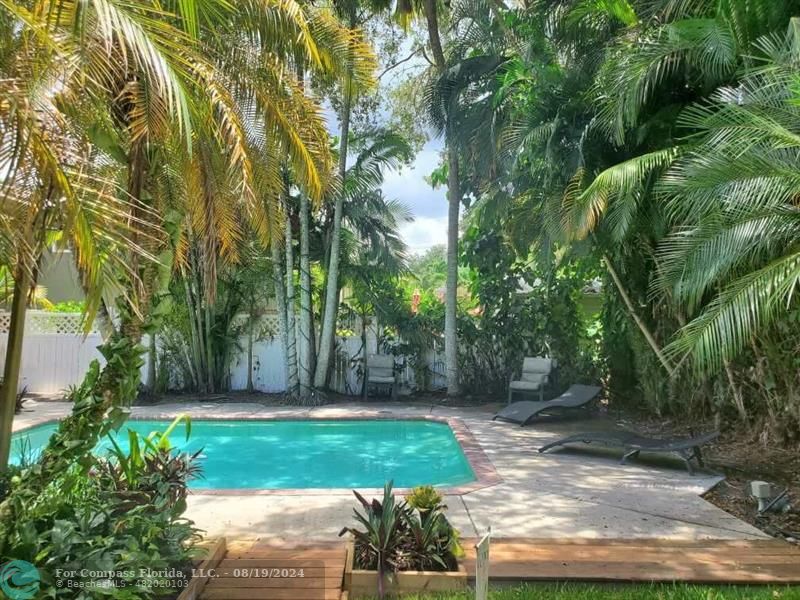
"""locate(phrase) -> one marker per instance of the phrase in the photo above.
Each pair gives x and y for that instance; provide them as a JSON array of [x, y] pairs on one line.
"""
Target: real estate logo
[[19, 580]]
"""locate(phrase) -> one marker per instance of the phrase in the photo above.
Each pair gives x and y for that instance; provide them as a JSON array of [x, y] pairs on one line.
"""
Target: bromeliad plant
[[403, 536]]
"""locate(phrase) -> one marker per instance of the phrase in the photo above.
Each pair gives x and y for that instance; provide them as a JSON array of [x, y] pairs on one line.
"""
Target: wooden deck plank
[[317, 571], [270, 594], [333, 565], [520, 559], [270, 582], [641, 555], [646, 542], [322, 566], [706, 561], [641, 572]]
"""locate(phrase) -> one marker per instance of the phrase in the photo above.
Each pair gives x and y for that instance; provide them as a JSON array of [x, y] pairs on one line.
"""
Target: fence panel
[[55, 353]]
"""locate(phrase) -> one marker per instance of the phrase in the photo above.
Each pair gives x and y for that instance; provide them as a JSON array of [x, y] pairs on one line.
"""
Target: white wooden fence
[[56, 354]]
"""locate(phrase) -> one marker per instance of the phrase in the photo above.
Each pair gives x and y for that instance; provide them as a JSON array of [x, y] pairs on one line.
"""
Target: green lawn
[[577, 591]]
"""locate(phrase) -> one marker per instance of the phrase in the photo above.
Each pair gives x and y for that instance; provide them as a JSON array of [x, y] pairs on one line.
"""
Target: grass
[[579, 591]]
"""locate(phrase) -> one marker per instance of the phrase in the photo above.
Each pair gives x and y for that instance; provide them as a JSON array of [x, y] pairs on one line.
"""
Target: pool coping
[[485, 473]]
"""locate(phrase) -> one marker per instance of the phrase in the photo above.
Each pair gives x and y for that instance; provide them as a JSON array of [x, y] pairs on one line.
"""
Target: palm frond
[[617, 191]]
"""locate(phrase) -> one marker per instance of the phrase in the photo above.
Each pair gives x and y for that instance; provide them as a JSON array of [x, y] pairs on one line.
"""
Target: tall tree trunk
[[453, 206], [312, 340], [306, 341], [306, 320], [280, 300], [648, 335], [328, 332], [196, 361], [16, 331], [250, 326], [151, 363], [211, 384], [291, 346], [365, 355]]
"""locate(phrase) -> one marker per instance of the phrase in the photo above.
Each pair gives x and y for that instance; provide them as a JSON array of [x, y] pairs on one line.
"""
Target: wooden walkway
[[639, 560], [263, 570], [254, 570]]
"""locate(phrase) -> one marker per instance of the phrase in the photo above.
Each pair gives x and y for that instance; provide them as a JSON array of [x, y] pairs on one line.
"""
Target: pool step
[[275, 570]]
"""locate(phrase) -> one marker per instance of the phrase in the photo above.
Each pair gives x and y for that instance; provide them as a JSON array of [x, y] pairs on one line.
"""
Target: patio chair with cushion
[[380, 373], [535, 375]]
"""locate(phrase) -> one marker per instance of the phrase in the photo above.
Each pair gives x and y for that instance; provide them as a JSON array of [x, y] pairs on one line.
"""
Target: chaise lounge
[[576, 397], [687, 449]]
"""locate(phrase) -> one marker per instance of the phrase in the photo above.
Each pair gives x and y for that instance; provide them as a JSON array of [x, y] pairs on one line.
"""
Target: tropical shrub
[[396, 537], [123, 521]]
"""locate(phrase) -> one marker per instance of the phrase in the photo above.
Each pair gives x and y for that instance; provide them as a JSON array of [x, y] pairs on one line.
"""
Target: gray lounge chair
[[576, 397], [687, 449]]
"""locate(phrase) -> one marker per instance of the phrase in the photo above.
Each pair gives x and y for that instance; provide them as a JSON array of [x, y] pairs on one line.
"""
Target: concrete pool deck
[[566, 494]]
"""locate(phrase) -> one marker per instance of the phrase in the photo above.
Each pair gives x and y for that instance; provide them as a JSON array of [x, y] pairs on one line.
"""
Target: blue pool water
[[305, 454]]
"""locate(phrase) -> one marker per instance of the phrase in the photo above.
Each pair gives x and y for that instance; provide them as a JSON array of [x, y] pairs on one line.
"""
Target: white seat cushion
[[526, 385], [380, 379]]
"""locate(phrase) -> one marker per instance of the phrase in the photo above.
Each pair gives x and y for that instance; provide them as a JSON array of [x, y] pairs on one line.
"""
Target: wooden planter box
[[216, 552], [364, 584]]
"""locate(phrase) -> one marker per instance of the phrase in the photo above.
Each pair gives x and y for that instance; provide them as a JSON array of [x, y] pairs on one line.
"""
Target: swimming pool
[[305, 454]]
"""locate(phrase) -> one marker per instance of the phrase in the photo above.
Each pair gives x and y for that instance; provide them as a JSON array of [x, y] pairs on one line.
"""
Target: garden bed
[[364, 584]]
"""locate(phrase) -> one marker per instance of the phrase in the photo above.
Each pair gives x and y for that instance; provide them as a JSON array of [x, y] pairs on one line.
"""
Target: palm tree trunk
[[8, 391], [331, 289], [365, 355], [250, 326], [211, 384], [451, 286], [306, 320], [195, 362], [648, 335], [453, 206], [291, 346], [280, 300], [151, 364]]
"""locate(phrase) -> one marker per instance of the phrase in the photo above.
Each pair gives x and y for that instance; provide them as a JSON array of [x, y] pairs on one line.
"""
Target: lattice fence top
[[39, 321], [266, 324]]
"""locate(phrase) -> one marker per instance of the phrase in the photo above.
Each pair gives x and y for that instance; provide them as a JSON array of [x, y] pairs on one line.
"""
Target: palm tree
[[454, 71], [366, 215], [430, 9], [356, 79], [55, 178], [142, 64]]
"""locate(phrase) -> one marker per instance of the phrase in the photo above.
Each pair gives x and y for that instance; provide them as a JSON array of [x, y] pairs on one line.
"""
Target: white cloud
[[424, 232], [409, 186]]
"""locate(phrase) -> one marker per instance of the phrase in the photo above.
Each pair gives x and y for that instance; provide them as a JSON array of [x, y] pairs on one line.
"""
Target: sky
[[408, 185], [429, 206]]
